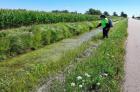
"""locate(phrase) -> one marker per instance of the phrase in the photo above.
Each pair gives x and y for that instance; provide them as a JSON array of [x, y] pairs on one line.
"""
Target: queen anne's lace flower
[[72, 84], [80, 86], [79, 78]]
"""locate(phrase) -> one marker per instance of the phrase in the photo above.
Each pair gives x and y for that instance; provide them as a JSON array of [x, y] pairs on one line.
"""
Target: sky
[[131, 7]]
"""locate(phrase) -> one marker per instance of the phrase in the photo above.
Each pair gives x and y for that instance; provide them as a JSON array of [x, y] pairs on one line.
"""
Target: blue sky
[[129, 6]]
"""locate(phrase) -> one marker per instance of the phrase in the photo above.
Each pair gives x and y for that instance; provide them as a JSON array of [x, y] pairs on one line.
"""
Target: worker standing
[[106, 25]]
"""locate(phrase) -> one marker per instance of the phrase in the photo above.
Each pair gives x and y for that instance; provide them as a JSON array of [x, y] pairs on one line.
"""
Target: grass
[[56, 82], [14, 42], [23, 73], [105, 67]]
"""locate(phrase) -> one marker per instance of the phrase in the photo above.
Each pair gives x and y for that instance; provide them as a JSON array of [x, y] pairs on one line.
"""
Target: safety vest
[[104, 22]]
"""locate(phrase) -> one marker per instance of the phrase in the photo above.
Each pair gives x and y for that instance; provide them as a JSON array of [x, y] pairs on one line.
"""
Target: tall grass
[[23, 76], [17, 41], [105, 68]]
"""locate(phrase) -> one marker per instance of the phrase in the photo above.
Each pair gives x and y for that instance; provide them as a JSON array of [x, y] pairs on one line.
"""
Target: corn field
[[16, 18]]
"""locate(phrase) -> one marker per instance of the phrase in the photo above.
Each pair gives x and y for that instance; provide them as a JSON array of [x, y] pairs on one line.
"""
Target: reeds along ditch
[[17, 41]]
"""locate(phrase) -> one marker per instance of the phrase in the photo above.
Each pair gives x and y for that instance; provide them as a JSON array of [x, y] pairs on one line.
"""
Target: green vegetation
[[24, 72], [20, 40], [17, 18], [105, 72], [17, 41], [23, 69]]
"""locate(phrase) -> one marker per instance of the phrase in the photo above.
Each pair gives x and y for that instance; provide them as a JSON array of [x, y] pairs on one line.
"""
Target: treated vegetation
[[28, 69], [100, 71], [17, 41], [36, 47], [105, 72]]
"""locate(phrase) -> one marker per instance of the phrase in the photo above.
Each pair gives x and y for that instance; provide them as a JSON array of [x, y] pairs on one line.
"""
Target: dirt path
[[132, 68]]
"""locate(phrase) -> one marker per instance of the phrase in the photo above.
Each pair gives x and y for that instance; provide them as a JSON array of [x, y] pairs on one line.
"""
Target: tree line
[[92, 11]]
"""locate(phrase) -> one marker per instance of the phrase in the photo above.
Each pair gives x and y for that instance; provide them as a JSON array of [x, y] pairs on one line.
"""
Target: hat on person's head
[[102, 16]]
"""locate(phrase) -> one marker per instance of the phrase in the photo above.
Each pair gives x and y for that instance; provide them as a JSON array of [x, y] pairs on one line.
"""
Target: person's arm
[[98, 25]]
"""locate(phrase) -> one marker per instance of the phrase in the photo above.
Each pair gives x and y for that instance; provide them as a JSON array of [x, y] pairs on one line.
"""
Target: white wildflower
[[108, 55], [100, 76], [87, 75], [112, 56], [72, 84], [105, 74], [79, 78], [98, 84], [80, 86]]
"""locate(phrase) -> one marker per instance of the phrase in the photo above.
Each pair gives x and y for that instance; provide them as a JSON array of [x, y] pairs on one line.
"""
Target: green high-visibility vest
[[104, 22]]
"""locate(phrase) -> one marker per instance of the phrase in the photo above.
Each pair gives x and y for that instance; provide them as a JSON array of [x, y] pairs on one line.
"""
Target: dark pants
[[105, 32]]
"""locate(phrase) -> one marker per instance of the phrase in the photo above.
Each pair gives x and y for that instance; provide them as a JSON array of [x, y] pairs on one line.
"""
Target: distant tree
[[115, 14], [62, 11], [123, 15], [106, 13], [133, 16], [138, 17], [65, 11], [75, 12], [55, 11], [93, 12]]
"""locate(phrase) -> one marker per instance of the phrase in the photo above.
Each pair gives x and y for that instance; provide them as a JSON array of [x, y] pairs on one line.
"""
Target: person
[[106, 25]]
